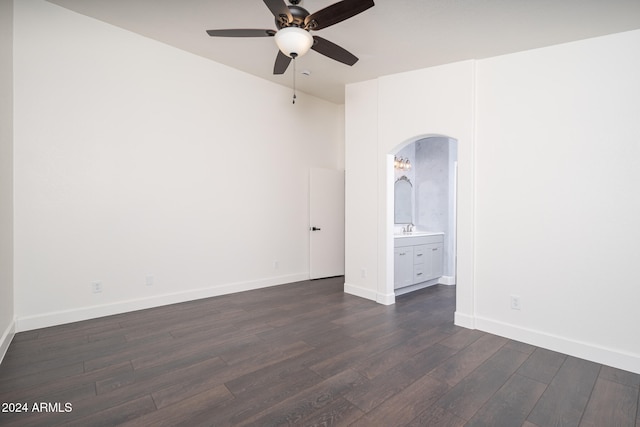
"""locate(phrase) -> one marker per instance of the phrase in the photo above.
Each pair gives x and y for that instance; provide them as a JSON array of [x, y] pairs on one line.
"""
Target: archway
[[433, 172]]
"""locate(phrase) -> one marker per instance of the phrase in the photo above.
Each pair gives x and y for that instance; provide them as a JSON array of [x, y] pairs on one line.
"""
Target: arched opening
[[422, 214]]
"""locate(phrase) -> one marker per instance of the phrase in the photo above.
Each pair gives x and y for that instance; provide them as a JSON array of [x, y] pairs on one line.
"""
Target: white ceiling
[[392, 37]]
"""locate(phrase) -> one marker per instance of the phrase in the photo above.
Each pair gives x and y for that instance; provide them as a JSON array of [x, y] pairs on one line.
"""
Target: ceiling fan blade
[[240, 32], [280, 10], [282, 63], [335, 13], [333, 51]]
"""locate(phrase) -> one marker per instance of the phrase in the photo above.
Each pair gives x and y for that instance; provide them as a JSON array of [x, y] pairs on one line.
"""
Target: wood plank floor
[[303, 354]]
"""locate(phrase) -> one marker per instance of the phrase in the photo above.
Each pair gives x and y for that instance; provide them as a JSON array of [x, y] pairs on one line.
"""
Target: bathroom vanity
[[418, 257]]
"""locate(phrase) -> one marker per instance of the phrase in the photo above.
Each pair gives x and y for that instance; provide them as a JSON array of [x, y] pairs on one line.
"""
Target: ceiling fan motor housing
[[297, 13]]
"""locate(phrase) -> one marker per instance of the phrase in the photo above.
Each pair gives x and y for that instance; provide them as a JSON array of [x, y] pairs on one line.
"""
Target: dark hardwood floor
[[303, 354]]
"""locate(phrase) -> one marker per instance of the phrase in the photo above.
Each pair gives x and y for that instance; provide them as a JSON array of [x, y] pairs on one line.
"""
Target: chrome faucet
[[408, 228]]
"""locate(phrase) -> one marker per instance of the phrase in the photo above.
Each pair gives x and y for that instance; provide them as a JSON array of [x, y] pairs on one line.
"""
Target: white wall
[[558, 167], [133, 158], [381, 116], [6, 175], [548, 203], [361, 193]]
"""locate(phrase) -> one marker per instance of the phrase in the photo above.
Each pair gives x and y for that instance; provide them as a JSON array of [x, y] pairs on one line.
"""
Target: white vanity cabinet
[[417, 258]]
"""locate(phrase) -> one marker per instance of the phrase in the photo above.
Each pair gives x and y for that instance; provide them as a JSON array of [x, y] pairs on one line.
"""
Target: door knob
[[315, 228]]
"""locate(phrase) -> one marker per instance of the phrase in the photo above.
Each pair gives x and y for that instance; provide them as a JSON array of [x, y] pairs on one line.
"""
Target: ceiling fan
[[294, 24]]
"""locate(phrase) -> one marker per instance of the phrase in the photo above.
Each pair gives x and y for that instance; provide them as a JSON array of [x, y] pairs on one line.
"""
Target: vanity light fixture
[[401, 163]]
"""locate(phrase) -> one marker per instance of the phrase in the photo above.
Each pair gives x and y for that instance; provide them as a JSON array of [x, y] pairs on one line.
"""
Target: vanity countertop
[[416, 234]]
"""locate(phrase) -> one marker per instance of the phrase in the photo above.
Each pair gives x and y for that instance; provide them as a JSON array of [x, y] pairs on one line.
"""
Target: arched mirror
[[403, 212]]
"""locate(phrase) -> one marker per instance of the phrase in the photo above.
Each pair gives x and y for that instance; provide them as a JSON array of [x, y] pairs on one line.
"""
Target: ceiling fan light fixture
[[293, 41]]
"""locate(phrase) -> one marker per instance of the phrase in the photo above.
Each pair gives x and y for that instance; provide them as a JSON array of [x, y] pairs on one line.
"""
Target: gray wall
[[435, 159], [432, 184]]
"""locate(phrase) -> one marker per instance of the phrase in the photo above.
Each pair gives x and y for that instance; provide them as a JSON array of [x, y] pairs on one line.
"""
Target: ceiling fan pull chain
[[294, 77]]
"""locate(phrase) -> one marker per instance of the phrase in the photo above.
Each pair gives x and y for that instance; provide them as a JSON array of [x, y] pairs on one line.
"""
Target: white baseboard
[[584, 350], [444, 280], [464, 320], [44, 320], [6, 338], [417, 287], [447, 280], [360, 292], [385, 299]]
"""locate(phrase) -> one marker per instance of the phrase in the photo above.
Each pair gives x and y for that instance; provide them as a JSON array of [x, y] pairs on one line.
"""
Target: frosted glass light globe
[[293, 41]]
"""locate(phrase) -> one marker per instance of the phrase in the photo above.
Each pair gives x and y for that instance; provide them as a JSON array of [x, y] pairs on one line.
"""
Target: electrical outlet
[[148, 280], [363, 273], [276, 265], [96, 287], [515, 303]]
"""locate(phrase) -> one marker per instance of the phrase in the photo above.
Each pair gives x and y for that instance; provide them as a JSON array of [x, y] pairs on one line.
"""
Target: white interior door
[[326, 223]]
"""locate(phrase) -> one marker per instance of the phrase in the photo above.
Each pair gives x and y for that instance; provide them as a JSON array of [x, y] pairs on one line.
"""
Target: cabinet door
[[437, 260], [403, 267]]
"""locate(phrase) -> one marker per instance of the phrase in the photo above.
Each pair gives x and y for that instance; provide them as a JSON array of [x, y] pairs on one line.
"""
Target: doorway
[[433, 174], [326, 223]]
